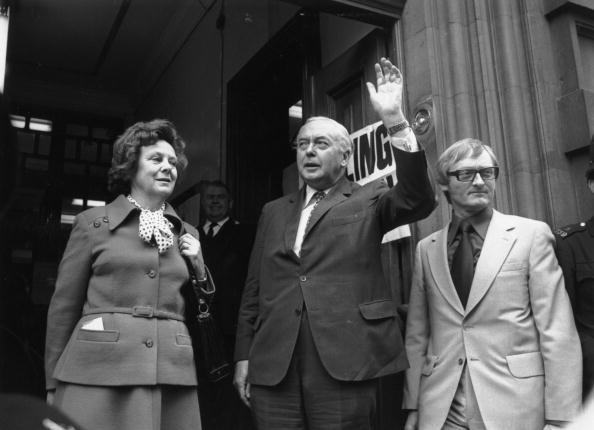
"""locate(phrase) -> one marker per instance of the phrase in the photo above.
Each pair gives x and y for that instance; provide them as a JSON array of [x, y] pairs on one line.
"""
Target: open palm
[[387, 98]]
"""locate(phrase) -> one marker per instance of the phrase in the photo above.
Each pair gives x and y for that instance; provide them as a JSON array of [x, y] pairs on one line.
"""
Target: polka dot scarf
[[154, 224]]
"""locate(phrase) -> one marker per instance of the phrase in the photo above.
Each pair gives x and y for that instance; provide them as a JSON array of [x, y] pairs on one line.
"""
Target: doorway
[[306, 62]]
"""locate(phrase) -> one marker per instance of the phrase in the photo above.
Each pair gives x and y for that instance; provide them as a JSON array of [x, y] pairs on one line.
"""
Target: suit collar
[[292, 215], [337, 194], [119, 209], [499, 241], [437, 253]]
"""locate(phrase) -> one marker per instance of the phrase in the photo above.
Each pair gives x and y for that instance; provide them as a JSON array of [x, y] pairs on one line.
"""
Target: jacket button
[[105, 219], [303, 278], [460, 361], [148, 343], [97, 224], [151, 273]]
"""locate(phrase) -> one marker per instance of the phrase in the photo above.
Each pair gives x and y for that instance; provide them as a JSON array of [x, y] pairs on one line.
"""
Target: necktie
[[316, 198], [305, 218], [463, 263], [211, 228]]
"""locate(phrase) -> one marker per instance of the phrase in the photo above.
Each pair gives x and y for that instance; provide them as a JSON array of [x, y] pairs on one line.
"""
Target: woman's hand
[[190, 248]]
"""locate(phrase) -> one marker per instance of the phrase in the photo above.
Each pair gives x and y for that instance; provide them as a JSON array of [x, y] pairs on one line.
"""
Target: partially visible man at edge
[[317, 324], [575, 250]]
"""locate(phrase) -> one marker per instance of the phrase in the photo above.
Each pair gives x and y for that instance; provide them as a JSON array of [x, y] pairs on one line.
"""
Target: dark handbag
[[212, 356]]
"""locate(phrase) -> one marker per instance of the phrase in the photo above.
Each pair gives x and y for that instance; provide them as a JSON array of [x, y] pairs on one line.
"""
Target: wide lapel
[[498, 243], [339, 193], [437, 255], [292, 216]]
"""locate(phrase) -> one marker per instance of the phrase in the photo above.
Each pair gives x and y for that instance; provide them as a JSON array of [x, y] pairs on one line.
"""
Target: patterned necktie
[[210, 234], [154, 224], [463, 263], [316, 198]]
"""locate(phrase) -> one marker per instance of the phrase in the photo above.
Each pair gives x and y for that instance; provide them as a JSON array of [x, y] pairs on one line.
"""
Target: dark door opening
[[259, 98]]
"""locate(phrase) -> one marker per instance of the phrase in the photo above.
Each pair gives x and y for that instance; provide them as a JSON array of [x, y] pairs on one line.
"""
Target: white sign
[[373, 159]]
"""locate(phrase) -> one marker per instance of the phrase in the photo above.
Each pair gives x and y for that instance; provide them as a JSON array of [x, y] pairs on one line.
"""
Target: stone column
[[492, 77]]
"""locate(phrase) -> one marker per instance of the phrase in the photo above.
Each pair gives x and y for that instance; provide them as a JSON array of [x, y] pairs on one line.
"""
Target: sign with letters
[[372, 159]]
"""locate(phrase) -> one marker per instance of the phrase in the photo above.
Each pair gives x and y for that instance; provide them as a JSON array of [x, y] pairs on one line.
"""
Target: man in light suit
[[490, 334], [317, 323]]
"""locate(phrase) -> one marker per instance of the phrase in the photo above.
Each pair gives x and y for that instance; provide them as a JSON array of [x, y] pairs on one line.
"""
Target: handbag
[[212, 355]]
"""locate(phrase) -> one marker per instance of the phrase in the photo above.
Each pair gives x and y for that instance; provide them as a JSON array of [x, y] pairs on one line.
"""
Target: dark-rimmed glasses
[[468, 175]]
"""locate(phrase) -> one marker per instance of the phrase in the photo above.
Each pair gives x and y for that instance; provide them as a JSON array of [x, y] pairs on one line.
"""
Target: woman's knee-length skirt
[[153, 407]]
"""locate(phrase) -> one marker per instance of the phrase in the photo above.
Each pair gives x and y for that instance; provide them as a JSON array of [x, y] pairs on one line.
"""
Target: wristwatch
[[398, 127]]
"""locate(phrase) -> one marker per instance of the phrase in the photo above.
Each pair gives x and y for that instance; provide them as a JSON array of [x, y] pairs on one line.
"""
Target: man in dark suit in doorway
[[317, 325], [225, 245]]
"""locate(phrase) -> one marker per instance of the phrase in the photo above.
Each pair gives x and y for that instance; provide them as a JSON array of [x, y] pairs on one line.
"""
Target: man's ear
[[345, 158]]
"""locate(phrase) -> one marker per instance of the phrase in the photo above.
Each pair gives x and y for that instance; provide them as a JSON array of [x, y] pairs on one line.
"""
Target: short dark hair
[[216, 183], [126, 151]]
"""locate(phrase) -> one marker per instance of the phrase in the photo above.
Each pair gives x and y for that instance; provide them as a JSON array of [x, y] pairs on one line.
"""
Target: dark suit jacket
[[338, 277], [575, 251], [226, 255]]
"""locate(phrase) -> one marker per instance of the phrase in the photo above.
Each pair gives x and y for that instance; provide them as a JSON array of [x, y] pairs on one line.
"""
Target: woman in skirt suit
[[118, 351]]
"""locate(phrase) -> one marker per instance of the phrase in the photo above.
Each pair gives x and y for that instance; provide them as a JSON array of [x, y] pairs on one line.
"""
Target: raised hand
[[387, 98]]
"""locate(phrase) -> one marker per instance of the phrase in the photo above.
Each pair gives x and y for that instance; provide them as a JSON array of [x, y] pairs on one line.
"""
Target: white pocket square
[[95, 324]]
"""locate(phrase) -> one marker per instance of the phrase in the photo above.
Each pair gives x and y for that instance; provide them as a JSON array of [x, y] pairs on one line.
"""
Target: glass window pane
[[74, 169], [70, 149], [45, 141], [37, 164], [40, 124], [77, 130], [26, 142], [100, 133], [88, 150], [106, 149]]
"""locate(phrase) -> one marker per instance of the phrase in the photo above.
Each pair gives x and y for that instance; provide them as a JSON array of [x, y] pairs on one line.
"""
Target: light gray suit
[[516, 334]]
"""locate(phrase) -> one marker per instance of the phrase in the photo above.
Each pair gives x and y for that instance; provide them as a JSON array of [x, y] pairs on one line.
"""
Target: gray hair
[[341, 134], [460, 150]]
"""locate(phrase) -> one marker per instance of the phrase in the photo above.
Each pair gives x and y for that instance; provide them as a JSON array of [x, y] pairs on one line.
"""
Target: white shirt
[[305, 214], [216, 228]]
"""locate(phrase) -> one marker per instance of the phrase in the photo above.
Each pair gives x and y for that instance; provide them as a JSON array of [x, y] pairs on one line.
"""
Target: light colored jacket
[[517, 332]]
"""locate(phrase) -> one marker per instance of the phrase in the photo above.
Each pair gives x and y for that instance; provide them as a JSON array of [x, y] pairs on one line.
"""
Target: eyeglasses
[[303, 145], [470, 174]]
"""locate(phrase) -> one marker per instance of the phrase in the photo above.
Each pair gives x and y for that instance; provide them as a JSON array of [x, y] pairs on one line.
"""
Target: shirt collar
[[219, 223], [480, 222], [309, 192], [119, 209]]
